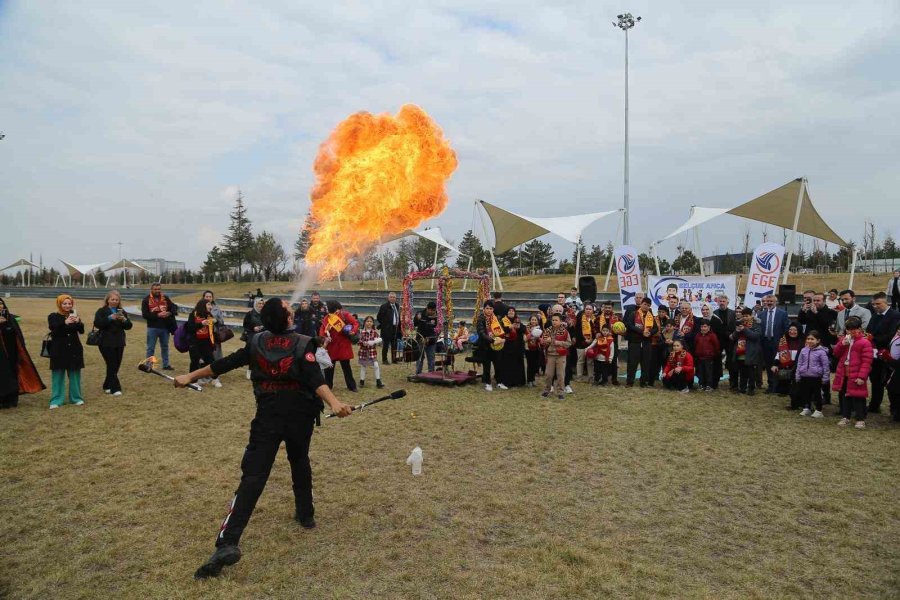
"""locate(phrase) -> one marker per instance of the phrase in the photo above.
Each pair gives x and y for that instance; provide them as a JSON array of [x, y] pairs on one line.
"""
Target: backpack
[[182, 339]]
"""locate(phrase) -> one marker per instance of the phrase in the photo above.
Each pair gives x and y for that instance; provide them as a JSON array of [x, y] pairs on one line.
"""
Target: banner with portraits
[[696, 290], [628, 271]]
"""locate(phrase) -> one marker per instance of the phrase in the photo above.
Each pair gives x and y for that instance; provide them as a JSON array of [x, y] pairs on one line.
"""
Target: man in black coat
[[319, 311], [640, 343], [389, 324], [882, 327], [500, 308], [729, 321]]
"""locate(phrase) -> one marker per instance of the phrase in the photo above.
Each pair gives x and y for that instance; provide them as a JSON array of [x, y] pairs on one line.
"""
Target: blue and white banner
[[696, 290], [764, 272], [628, 270]]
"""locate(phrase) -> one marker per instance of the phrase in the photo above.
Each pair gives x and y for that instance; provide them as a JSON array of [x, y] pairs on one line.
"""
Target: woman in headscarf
[[339, 327], [512, 355], [66, 352], [112, 322], [17, 373], [253, 322]]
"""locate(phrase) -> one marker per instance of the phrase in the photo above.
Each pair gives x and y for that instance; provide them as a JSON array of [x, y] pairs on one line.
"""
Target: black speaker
[[587, 288], [787, 293]]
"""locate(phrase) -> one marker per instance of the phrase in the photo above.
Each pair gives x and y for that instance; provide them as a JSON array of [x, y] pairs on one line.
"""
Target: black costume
[[112, 345], [285, 378], [17, 373], [512, 364]]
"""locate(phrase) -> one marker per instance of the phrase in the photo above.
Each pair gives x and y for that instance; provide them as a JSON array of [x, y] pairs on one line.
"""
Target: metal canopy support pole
[[655, 258], [611, 257], [383, 268], [852, 269], [340, 283], [496, 271], [468, 269], [787, 264], [577, 260], [697, 247]]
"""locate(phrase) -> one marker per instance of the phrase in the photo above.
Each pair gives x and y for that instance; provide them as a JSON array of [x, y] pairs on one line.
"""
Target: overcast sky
[[135, 122]]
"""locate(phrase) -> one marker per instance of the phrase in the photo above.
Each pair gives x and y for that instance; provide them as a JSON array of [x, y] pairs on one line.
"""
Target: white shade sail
[[777, 207], [20, 263], [511, 229], [433, 234], [80, 269], [125, 264]]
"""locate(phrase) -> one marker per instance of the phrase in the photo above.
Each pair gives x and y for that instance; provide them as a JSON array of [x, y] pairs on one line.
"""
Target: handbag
[[94, 337], [45, 346], [224, 333]]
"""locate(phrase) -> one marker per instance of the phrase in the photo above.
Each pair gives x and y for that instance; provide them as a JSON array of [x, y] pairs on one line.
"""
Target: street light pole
[[625, 22]]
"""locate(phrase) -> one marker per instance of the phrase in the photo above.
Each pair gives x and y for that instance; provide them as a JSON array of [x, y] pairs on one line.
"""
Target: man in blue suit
[[774, 324]]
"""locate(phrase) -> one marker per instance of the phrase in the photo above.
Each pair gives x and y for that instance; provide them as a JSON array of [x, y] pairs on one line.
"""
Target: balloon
[[536, 332], [473, 338]]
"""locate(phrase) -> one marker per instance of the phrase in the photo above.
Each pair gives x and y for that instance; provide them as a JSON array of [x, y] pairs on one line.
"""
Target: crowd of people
[[833, 345]]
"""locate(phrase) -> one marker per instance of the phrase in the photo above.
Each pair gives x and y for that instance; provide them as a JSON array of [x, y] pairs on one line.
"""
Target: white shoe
[[117, 394], [54, 406], [686, 391], [805, 412], [107, 391], [843, 422], [248, 373], [569, 389], [81, 403], [817, 415], [203, 380], [488, 388], [217, 383], [860, 424], [500, 386]]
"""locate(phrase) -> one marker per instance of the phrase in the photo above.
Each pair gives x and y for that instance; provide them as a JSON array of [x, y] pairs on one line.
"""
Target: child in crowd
[[532, 349], [747, 351], [811, 373], [460, 337], [556, 340], [707, 351], [604, 348], [678, 373], [368, 353], [854, 355], [322, 356]]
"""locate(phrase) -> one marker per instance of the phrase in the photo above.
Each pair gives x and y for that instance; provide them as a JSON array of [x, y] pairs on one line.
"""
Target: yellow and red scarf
[[686, 323], [784, 353], [644, 318], [335, 322], [157, 304], [586, 327]]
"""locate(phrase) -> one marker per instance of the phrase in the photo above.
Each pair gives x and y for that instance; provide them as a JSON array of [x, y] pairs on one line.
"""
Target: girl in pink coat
[[854, 356]]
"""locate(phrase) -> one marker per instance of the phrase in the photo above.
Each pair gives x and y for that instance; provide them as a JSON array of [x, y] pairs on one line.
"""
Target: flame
[[376, 176]]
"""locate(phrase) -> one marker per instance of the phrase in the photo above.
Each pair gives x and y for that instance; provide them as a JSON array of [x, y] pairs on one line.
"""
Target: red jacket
[[340, 347], [707, 346], [861, 356], [687, 366]]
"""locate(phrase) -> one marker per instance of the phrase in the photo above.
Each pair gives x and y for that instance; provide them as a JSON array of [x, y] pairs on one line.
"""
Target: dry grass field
[[608, 494]]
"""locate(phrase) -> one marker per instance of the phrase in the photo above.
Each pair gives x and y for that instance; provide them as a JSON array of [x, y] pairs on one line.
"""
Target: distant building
[[161, 266], [725, 263]]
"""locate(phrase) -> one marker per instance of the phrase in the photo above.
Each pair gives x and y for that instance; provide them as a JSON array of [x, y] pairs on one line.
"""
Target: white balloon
[[536, 332]]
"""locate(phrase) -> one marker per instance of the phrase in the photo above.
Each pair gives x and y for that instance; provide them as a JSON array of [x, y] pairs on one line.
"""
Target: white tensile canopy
[[511, 230], [83, 270], [125, 265], [432, 234], [22, 263], [788, 206]]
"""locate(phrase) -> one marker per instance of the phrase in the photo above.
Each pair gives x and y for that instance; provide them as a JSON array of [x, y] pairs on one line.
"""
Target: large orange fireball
[[376, 175]]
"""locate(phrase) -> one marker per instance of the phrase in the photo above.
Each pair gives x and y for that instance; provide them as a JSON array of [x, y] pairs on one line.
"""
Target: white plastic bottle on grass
[[415, 459]]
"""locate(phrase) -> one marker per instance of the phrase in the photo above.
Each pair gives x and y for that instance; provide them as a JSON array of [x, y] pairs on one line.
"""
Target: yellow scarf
[[507, 322], [496, 329], [647, 319], [335, 322], [62, 298], [586, 327]]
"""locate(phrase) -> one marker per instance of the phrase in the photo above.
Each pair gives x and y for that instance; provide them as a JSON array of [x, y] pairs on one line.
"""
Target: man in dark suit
[[882, 327], [389, 324], [729, 322], [774, 324]]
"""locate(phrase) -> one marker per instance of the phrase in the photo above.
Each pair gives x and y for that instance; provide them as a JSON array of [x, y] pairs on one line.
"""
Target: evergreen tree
[[592, 262], [267, 256], [507, 260], [471, 246], [420, 253], [304, 241], [239, 238], [537, 256], [216, 262], [686, 263]]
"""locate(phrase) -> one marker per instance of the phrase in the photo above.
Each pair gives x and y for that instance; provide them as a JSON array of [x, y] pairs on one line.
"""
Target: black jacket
[[729, 322], [385, 318], [252, 320], [883, 327], [426, 326], [303, 323], [821, 320], [192, 327], [153, 322], [318, 312], [636, 334], [113, 330], [66, 351]]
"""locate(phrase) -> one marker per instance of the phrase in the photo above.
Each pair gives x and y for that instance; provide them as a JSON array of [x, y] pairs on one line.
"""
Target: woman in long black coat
[[17, 373], [512, 355], [66, 352], [112, 322]]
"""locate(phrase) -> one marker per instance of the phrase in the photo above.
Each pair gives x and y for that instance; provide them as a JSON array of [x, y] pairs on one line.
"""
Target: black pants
[[201, 353], [705, 373], [266, 434], [850, 406], [808, 392], [9, 400], [746, 377], [894, 397], [533, 364], [388, 344], [603, 372], [876, 376], [571, 364], [113, 359], [675, 381], [490, 357], [768, 347], [640, 354], [348, 375]]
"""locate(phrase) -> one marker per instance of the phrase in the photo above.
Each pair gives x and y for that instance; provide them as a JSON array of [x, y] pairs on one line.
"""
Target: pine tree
[[537, 255], [239, 238], [304, 240], [686, 263], [471, 246], [216, 262]]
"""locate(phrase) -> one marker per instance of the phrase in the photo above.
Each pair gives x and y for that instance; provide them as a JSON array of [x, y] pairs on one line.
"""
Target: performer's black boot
[[305, 522], [224, 556], [362, 383], [378, 384]]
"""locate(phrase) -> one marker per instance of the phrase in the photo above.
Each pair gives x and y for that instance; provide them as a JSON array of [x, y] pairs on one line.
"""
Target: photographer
[[426, 326]]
